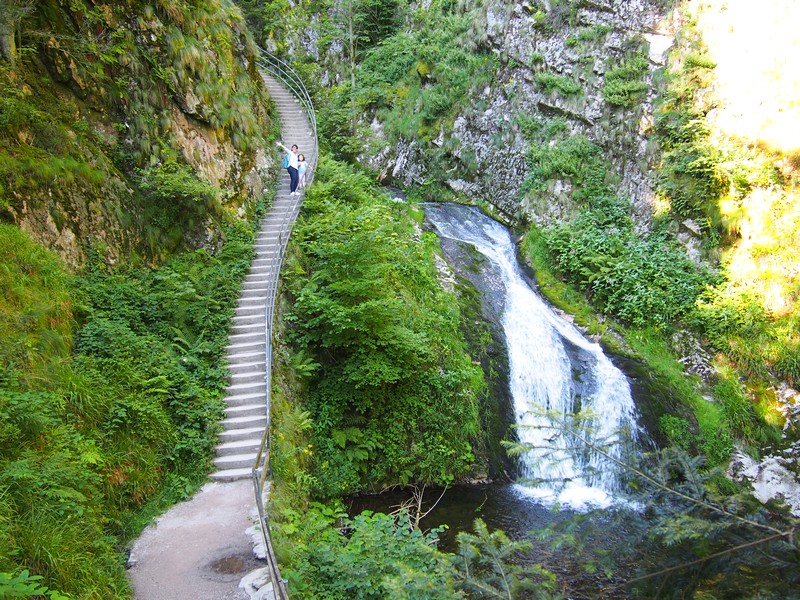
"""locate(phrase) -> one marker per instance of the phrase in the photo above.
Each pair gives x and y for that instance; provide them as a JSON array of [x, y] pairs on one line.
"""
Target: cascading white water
[[553, 368]]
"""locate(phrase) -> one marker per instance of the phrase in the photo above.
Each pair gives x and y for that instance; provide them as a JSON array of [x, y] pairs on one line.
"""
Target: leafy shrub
[[676, 430], [642, 280], [381, 557], [386, 556], [25, 585], [736, 323], [699, 60], [626, 85], [568, 158], [738, 410], [367, 307], [419, 77], [691, 175], [595, 32], [550, 82], [639, 279], [173, 182]]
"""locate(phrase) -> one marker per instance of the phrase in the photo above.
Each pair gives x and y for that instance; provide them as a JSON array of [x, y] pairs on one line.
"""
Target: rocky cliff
[[553, 60]]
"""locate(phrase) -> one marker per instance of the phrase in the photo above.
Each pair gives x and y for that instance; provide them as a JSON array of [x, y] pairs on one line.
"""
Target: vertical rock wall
[[529, 39], [109, 90]]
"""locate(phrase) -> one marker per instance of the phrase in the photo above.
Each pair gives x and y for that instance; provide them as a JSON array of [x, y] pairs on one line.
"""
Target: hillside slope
[[128, 125]]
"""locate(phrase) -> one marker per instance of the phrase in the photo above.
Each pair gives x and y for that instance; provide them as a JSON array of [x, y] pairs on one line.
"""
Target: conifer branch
[[669, 490], [758, 542]]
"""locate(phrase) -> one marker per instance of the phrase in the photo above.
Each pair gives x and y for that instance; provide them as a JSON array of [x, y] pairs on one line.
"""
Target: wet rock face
[[580, 41], [774, 477], [483, 330]]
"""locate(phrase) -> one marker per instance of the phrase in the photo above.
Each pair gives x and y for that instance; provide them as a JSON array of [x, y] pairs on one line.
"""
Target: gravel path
[[199, 549]]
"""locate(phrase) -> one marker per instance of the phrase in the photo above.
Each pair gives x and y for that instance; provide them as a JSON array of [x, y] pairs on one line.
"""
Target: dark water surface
[[500, 505], [506, 506]]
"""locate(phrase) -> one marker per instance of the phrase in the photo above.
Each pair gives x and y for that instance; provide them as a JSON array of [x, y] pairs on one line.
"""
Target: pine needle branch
[[758, 542], [696, 501]]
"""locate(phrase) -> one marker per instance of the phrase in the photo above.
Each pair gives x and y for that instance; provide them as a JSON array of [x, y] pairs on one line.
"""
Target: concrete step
[[249, 311], [255, 335], [236, 461], [238, 398], [248, 320], [254, 376], [246, 367], [246, 433], [259, 387], [251, 290], [254, 299], [269, 227], [256, 285], [246, 357], [255, 293], [269, 270], [224, 475], [247, 345], [260, 276], [245, 410], [247, 327], [269, 236], [266, 261], [232, 423], [280, 204], [239, 447]]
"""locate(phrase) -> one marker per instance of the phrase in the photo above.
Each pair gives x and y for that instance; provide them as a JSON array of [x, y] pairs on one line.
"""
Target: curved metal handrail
[[261, 468], [290, 78]]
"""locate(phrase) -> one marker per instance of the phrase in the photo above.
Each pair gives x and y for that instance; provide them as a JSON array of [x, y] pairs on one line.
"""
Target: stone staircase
[[246, 418]]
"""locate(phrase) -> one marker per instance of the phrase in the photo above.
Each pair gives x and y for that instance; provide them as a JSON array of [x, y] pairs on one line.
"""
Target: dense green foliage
[[26, 585], [626, 84], [550, 82], [393, 395], [416, 79], [385, 556], [388, 395], [110, 396], [640, 279], [381, 557]]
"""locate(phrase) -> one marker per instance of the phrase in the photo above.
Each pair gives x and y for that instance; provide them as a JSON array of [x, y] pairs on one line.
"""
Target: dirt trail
[[199, 549]]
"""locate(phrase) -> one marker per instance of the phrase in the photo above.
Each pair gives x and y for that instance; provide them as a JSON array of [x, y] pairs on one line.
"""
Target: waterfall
[[554, 369]]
